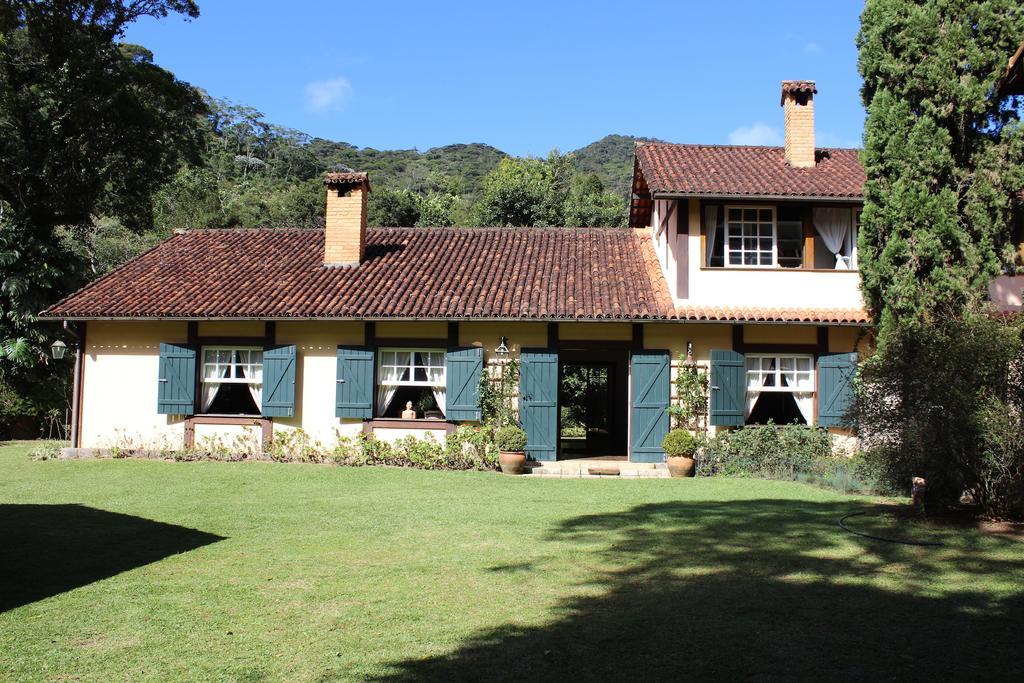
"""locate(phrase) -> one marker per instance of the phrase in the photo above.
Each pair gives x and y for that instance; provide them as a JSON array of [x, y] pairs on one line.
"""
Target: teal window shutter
[[354, 393], [176, 382], [728, 388], [836, 373], [538, 402], [463, 369], [649, 421], [279, 381]]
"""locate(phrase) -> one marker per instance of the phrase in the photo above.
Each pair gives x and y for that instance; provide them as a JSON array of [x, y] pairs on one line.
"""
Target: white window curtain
[[388, 374], [834, 225], [805, 402], [439, 396], [437, 379], [255, 388], [210, 389], [711, 230], [752, 396]]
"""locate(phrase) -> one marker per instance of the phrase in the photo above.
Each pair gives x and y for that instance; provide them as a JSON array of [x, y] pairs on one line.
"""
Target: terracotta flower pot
[[512, 463], [680, 466]]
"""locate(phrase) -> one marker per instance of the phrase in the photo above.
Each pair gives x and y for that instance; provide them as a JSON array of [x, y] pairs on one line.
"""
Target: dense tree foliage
[[942, 154], [87, 126], [526, 192], [945, 402]]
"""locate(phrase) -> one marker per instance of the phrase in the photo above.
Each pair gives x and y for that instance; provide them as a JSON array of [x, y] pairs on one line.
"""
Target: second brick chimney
[[798, 106], [345, 218]]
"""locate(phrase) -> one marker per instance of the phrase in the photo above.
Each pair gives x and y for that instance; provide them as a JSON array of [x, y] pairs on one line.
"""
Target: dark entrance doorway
[[592, 403]]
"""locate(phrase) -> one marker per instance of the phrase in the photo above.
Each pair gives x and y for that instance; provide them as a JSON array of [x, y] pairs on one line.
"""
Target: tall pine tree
[[943, 154]]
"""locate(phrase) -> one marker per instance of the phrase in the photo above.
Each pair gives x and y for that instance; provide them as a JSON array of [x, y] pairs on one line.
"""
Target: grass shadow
[[759, 590], [49, 549]]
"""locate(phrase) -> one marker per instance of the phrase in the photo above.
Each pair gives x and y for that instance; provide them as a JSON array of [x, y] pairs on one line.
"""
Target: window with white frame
[[750, 236], [411, 376], [780, 388], [232, 380]]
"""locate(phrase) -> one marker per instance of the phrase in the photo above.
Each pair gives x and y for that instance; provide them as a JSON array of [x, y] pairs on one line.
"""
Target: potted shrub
[[680, 446], [511, 441]]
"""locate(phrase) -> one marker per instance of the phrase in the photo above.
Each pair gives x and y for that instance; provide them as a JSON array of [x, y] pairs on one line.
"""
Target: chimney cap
[[347, 178], [797, 87]]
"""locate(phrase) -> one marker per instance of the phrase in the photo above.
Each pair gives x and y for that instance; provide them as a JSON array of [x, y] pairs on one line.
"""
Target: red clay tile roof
[[480, 273], [742, 171], [835, 316]]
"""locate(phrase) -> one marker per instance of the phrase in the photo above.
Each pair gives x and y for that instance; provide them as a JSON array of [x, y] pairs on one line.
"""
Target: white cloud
[[755, 134], [825, 138], [329, 95], [813, 48]]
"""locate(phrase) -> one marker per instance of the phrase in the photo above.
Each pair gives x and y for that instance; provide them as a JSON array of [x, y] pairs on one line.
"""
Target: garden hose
[[843, 526]]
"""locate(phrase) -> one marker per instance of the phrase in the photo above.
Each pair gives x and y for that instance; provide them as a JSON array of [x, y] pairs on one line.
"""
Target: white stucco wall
[[119, 387], [743, 287]]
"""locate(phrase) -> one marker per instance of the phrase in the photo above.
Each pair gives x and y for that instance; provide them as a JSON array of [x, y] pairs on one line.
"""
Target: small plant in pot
[[511, 442], [680, 446]]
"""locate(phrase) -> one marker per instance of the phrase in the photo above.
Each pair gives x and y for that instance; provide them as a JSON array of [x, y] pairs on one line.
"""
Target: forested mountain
[[258, 174], [611, 160]]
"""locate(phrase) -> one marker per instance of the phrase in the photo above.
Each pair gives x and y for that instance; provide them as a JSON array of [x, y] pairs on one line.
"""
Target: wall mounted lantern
[[502, 350], [58, 349]]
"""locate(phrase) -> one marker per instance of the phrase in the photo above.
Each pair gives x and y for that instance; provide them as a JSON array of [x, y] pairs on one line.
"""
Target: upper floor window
[[232, 380], [750, 236], [789, 235]]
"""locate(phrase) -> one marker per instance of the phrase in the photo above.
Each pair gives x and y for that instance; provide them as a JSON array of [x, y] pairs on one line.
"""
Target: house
[[743, 259], [1007, 290]]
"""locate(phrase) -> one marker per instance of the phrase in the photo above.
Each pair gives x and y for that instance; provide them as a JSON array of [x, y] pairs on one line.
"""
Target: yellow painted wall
[[595, 331], [489, 334], [780, 334], [231, 328], [412, 329], [846, 339], [119, 385]]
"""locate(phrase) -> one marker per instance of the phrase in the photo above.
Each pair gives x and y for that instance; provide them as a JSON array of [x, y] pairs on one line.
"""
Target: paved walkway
[[598, 469]]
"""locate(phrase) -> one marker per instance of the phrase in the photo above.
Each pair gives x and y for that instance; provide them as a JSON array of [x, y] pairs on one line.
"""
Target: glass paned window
[[750, 236], [780, 373], [423, 367], [227, 365], [232, 380]]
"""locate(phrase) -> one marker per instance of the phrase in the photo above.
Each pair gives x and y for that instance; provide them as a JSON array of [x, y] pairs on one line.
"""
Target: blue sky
[[525, 77]]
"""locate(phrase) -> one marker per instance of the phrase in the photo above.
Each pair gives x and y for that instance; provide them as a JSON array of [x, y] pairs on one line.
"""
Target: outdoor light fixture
[[689, 362], [58, 349], [502, 350]]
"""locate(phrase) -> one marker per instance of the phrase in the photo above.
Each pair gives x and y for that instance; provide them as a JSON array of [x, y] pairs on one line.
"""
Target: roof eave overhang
[[453, 319], [844, 199]]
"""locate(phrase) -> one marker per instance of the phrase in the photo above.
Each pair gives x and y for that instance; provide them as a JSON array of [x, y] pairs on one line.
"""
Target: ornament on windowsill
[[408, 413]]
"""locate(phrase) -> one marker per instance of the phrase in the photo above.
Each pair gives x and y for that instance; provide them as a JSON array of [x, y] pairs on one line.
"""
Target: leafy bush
[[680, 442], [689, 410], [944, 401], [769, 451], [46, 449], [511, 439], [467, 448]]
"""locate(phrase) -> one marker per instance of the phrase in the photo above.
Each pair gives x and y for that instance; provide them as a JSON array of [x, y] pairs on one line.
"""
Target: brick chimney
[[345, 219], [798, 105]]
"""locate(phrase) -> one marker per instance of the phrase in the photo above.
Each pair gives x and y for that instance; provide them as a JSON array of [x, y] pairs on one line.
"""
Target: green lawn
[[119, 570]]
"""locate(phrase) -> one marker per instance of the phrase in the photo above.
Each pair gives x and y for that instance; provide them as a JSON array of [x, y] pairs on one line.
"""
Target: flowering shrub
[[467, 448]]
